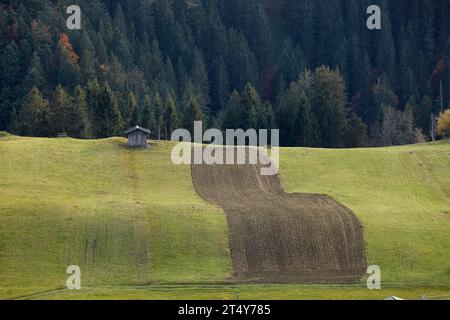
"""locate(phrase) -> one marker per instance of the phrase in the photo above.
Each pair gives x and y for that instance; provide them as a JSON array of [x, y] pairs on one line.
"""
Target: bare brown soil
[[276, 237]]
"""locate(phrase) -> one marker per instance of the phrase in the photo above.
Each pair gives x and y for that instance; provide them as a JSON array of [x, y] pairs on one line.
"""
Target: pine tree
[[66, 67], [192, 114], [367, 110], [170, 117], [133, 115], [115, 123], [233, 117], [35, 75], [34, 115], [87, 58], [386, 55], [295, 118], [292, 61], [155, 64], [96, 115], [286, 116], [11, 64], [199, 74], [421, 112], [59, 111], [406, 75], [158, 112], [147, 112], [328, 102], [241, 61], [111, 123], [171, 79], [326, 22], [119, 19], [428, 30], [117, 76], [123, 51], [356, 133], [251, 104], [407, 133], [83, 127], [101, 51], [220, 85], [11, 73], [354, 65], [267, 120], [14, 127]]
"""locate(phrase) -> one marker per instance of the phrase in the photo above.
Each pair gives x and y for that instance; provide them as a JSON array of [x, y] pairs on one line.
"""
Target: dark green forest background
[[308, 67]]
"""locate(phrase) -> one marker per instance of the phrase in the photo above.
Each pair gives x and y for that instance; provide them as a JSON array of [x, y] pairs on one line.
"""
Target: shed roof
[[135, 128]]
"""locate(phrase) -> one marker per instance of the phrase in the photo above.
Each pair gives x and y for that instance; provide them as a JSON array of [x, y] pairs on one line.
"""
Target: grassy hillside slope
[[124, 216], [130, 218], [401, 196]]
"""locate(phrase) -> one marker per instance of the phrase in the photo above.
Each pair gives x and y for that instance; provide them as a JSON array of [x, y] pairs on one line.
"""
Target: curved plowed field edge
[[277, 237]]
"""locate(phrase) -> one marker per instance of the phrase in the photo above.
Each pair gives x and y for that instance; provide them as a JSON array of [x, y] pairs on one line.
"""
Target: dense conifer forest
[[311, 68]]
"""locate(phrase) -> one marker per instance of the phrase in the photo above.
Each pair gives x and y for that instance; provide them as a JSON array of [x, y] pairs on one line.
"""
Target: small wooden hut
[[137, 137]]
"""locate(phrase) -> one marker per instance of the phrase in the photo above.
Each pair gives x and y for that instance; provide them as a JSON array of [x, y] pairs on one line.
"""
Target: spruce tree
[[35, 75], [329, 102], [192, 114], [386, 54], [422, 112], [267, 120], [356, 133], [96, 115], [200, 76], [251, 104], [83, 127], [65, 68], [171, 116], [34, 118], [158, 113], [220, 85], [111, 123], [295, 118], [147, 112], [233, 117], [133, 116], [87, 58], [59, 111], [11, 64], [14, 127]]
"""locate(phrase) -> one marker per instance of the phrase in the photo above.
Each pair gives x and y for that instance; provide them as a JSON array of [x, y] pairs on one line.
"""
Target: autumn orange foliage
[[64, 40]]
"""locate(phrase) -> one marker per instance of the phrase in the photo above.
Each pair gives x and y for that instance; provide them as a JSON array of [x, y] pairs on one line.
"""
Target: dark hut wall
[[137, 139]]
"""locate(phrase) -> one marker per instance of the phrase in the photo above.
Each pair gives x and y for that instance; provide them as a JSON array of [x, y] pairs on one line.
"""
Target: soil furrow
[[276, 237]]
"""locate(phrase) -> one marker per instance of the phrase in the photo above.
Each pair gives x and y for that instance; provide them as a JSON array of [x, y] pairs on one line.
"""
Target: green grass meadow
[[126, 217], [134, 224], [400, 194]]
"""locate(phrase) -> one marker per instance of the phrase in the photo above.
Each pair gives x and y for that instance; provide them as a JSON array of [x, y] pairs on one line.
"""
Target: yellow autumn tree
[[443, 128]]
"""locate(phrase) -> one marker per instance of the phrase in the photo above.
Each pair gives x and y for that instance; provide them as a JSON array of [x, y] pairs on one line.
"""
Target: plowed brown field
[[276, 237]]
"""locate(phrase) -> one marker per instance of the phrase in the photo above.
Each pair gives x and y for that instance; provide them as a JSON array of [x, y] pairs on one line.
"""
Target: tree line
[[310, 68]]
